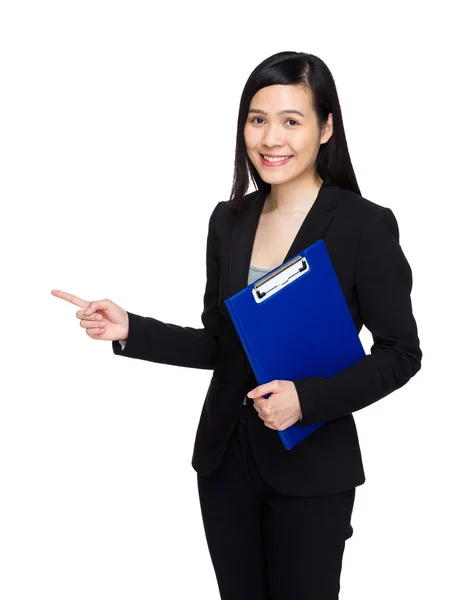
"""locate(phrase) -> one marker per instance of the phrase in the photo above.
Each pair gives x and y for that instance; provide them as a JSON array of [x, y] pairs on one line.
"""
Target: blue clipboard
[[294, 322]]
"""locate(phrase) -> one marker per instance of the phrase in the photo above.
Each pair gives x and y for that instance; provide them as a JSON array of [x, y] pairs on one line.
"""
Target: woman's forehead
[[278, 99]]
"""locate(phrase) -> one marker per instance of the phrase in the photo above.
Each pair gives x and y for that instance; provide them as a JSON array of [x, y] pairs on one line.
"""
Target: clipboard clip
[[279, 278]]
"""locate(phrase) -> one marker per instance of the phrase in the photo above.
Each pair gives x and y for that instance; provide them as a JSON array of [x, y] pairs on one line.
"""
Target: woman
[[276, 521]]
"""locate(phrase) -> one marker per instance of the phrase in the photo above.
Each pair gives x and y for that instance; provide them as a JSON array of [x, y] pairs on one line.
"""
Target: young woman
[[276, 521]]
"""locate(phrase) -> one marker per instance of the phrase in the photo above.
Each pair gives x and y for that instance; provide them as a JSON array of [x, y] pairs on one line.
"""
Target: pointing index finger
[[70, 298]]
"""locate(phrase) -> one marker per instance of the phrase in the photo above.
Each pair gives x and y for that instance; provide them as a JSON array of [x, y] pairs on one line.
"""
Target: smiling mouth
[[275, 160]]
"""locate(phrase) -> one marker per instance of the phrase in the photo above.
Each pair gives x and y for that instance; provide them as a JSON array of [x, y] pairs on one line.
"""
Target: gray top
[[255, 273]]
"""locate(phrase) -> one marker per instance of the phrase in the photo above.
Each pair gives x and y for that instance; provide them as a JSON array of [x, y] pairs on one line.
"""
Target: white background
[[118, 124]]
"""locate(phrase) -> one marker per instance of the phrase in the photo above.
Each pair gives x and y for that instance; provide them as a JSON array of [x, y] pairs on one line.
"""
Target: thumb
[[97, 305], [264, 389]]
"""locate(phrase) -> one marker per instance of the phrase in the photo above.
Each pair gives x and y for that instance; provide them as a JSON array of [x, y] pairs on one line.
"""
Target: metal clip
[[279, 278]]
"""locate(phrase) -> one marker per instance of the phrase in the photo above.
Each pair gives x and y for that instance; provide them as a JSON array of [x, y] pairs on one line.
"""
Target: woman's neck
[[293, 197]]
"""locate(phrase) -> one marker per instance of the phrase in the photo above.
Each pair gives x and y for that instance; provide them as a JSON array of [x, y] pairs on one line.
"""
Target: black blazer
[[362, 239]]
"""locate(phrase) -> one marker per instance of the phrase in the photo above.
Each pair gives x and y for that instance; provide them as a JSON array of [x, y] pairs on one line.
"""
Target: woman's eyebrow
[[281, 112]]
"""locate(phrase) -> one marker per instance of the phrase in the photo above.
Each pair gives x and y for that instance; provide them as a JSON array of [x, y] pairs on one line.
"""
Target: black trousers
[[267, 546]]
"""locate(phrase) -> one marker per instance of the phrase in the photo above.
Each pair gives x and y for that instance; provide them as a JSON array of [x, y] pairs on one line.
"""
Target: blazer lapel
[[312, 229]]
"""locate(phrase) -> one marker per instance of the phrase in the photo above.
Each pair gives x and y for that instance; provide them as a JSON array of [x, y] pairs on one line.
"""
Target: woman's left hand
[[282, 409]]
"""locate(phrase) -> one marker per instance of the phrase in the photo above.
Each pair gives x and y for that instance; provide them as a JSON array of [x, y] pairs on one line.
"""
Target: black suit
[[276, 521], [362, 239]]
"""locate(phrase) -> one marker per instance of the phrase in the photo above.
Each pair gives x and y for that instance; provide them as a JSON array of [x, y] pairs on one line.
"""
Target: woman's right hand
[[102, 319]]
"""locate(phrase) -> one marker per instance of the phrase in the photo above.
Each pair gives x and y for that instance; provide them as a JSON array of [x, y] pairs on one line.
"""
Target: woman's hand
[[282, 409], [102, 319]]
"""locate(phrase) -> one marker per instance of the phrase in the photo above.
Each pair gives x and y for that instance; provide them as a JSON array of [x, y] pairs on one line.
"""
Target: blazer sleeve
[[383, 284], [156, 341]]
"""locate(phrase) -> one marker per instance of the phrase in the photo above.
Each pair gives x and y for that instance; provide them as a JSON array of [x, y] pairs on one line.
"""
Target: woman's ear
[[327, 130]]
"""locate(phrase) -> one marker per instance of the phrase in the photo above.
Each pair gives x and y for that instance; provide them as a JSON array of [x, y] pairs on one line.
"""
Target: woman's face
[[275, 127]]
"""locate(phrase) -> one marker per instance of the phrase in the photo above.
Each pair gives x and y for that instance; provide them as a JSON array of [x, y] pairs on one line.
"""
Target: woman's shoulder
[[225, 214], [359, 206], [358, 213]]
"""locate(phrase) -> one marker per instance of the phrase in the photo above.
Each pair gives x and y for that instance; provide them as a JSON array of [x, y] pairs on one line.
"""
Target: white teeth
[[275, 159]]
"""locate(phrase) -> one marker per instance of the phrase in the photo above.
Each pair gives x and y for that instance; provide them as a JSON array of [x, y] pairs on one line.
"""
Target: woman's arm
[[383, 282], [156, 341]]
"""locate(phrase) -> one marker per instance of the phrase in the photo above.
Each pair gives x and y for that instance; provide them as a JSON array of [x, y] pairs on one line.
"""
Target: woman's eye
[[253, 120]]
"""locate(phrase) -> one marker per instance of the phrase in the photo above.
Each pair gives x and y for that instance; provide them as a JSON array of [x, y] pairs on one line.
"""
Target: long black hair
[[293, 68]]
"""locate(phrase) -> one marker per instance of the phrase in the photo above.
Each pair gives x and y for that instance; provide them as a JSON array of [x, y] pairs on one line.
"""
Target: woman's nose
[[272, 137]]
